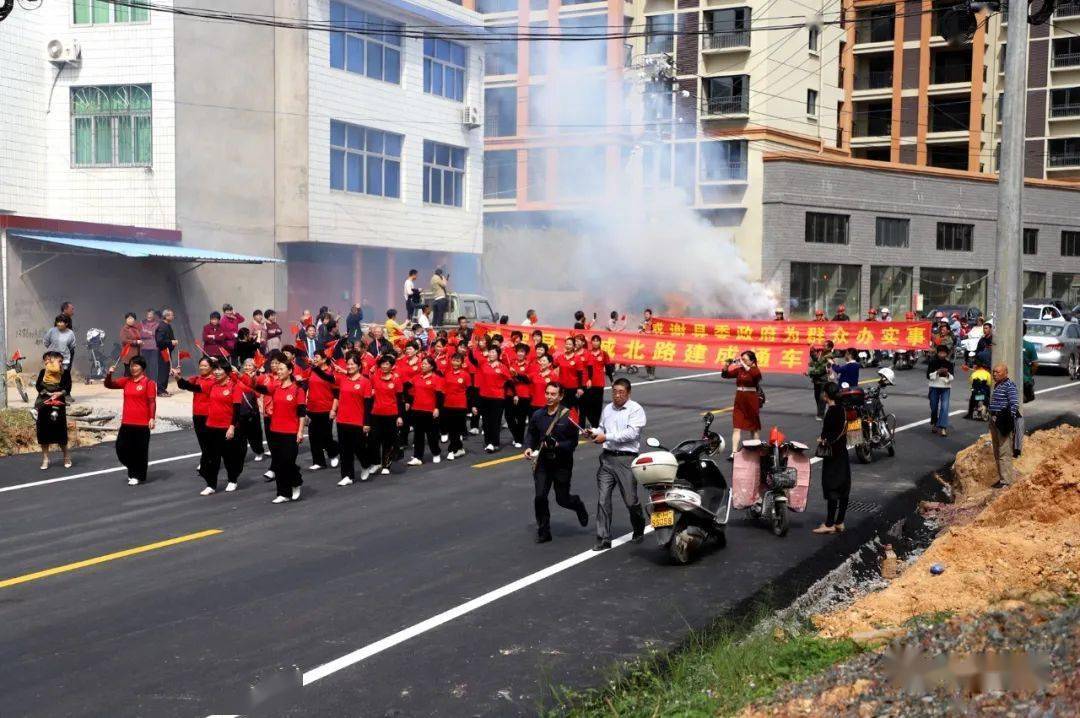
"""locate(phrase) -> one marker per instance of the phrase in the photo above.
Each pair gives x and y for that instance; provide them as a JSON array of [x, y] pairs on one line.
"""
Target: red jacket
[[213, 339], [140, 399], [231, 327]]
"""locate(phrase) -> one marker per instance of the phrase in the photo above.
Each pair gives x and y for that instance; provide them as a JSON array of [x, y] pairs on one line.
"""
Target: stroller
[[95, 347]]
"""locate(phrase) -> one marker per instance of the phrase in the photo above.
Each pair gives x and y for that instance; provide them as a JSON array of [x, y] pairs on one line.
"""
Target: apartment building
[[351, 155]]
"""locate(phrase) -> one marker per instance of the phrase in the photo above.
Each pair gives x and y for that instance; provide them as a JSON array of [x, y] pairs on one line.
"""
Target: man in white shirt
[[619, 432], [412, 294], [424, 317], [530, 318]]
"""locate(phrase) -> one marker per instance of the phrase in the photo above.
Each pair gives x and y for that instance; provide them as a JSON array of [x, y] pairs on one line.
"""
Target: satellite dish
[[958, 25]]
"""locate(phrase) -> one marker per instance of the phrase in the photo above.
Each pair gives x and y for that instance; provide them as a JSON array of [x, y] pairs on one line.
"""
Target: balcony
[[1063, 159], [1066, 59], [879, 128], [875, 26], [874, 80], [951, 74], [726, 105], [731, 172], [1069, 9], [1065, 110], [726, 40]]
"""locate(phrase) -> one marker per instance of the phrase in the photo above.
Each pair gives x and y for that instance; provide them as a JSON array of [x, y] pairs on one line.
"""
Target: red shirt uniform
[[320, 397], [492, 380], [287, 403], [455, 384], [522, 374], [408, 368], [540, 380], [570, 369], [353, 392], [200, 400], [223, 398], [600, 360], [140, 399], [425, 390], [386, 391]]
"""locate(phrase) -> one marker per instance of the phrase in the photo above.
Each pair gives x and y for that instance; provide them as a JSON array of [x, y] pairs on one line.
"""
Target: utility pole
[[1008, 274], [3, 315]]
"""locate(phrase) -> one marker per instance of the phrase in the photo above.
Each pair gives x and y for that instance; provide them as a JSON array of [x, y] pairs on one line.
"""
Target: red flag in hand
[[330, 347], [184, 355], [300, 344], [17, 357], [259, 359], [165, 356], [224, 351], [294, 328], [125, 351]]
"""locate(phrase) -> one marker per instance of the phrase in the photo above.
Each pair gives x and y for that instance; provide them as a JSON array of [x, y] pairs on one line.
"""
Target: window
[[891, 232], [537, 174], [583, 53], [445, 66], [824, 286], [538, 49], [948, 287], [111, 126], [500, 174], [954, 237], [581, 172], [580, 107], [723, 160], [891, 287], [102, 12], [729, 94], [1034, 285], [1066, 286], [489, 6], [1031, 241], [364, 160], [374, 54], [824, 228], [659, 34], [726, 28], [659, 102], [1065, 102], [811, 102], [500, 111], [500, 57], [444, 174], [812, 40], [1070, 244], [686, 169]]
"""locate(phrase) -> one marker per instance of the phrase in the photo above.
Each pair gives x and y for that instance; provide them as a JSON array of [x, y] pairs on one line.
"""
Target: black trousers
[[452, 423], [593, 405], [472, 395], [438, 311], [551, 474], [220, 450], [517, 418], [266, 431], [133, 449], [283, 453], [403, 433], [321, 435], [162, 379], [353, 444], [199, 422], [425, 426], [492, 413], [837, 508], [253, 432], [384, 439], [570, 398], [818, 400]]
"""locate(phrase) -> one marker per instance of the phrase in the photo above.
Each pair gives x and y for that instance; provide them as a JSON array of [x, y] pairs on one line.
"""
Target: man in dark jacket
[[551, 441], [165, 338], [354, 326]]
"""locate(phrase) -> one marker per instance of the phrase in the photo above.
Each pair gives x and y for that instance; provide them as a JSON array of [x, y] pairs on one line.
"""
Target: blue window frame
[[375, 53], [364, 160], [445, 68], [444, 174]]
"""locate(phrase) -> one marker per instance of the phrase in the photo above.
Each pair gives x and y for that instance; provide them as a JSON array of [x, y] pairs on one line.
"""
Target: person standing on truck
[[440, 296], [412, 294]]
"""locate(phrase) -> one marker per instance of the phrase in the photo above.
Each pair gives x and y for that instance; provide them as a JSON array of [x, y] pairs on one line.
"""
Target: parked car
[[1057, 343], [1045, 312], [474, 307], [969, 312], [1070, 314]]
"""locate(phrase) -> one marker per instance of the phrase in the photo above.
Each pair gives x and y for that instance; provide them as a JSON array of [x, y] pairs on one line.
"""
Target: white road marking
[[394, 639]]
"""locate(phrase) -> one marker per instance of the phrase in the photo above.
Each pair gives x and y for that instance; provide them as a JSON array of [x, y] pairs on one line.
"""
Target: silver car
[[1058, 344]]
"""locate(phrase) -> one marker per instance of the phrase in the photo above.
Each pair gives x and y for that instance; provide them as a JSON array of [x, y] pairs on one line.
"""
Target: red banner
[[862, 335], [681, 352]]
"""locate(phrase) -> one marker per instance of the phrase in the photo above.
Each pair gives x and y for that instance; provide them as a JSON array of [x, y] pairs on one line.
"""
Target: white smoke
[[635, 246]]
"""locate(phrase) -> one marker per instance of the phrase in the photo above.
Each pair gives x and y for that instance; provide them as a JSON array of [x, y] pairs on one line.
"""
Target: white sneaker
[[451, 456], [474, 432], [489, 449], [231, 486], [345, 481], [314, 467], [296, 494], [132, 481], [385, 471], [517, 444], [436, 459], [444, 438], [269, 476], [460, 453], [334, 462], [207, 491], [365, 474], [279, 500], [415, 462], [258, 457]]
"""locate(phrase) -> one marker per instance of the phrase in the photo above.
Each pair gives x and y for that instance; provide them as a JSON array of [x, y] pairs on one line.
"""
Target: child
[[980, 391]]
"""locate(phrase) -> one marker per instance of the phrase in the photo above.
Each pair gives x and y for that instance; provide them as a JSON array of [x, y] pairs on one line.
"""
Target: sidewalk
[[173, 412]]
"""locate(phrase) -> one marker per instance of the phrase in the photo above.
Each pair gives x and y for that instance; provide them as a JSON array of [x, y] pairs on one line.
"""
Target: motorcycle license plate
[[854, 425], [663, 518]]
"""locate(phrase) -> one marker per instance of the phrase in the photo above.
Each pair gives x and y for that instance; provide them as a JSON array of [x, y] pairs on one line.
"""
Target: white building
[[304, 145]]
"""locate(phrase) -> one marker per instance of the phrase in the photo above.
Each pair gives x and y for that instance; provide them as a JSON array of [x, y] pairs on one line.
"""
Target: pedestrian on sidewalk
[[136, 419], [619, 433], [61, 339], [746, 415], [835, 463], [166, 342], [1004, 410], [53, 385], [130, 340], [147, 345], [939, 374], [551, 441]]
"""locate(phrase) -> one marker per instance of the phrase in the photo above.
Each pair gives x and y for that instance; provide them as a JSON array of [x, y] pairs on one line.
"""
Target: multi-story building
[[352, 155]]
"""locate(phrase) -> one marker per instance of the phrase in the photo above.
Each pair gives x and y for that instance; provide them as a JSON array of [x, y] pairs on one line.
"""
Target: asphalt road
[[367, 594]]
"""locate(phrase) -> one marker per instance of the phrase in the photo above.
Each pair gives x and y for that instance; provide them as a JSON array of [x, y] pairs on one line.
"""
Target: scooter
[[903, 359], [689, 499], [771, 479], [869, 426]]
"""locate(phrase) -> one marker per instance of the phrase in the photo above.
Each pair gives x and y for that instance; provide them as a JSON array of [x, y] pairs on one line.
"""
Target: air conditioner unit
[[64, 52], [470, 117]]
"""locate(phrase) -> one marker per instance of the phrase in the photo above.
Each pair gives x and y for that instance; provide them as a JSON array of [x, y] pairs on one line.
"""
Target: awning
[[138, 250]]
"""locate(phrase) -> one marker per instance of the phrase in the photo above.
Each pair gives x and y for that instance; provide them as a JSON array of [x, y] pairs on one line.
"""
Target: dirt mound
[[1026, 539]]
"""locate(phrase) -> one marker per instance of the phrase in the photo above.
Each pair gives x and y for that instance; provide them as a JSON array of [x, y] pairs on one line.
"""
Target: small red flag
[[201, 350], [294, 328], [224, 351], [300, 343], [165, 356], [184, 355], [259, 359], [125, 351], [330, 347]]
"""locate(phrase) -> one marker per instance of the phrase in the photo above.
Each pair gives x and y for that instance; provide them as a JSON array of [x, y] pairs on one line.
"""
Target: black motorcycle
[[689, 499], [870, 426]]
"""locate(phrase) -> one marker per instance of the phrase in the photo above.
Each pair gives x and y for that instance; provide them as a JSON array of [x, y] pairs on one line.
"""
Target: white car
[[1044, 312]]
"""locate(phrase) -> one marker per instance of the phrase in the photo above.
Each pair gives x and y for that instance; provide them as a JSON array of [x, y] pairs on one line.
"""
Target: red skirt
[[747, 413]]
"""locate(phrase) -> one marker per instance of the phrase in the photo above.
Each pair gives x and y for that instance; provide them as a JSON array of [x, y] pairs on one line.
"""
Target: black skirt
[[835, 469], [52, 425]]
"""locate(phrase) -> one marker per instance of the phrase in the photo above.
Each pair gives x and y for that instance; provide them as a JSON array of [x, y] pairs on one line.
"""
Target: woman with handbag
[[746, 414], [835, 466], [53, 386]]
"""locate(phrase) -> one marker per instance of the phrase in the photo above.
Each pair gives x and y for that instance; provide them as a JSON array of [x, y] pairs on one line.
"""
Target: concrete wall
[[792, 188]]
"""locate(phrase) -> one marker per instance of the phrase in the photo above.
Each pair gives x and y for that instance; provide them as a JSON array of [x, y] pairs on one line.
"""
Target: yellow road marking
[[107, 557], [508, 459], [718, 411]]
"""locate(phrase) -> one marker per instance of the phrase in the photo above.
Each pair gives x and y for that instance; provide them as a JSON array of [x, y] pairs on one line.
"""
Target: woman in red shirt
[[351, 410], [387, 409], [471, 358], [136, 420], [286, 430], [492, 377], [427, 401], [407, 368], [598, 361], [319, 402], [457, 382], [199, 402], [746, 415], [544, 372], [571, 369], [223, 441], [518, 405]]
